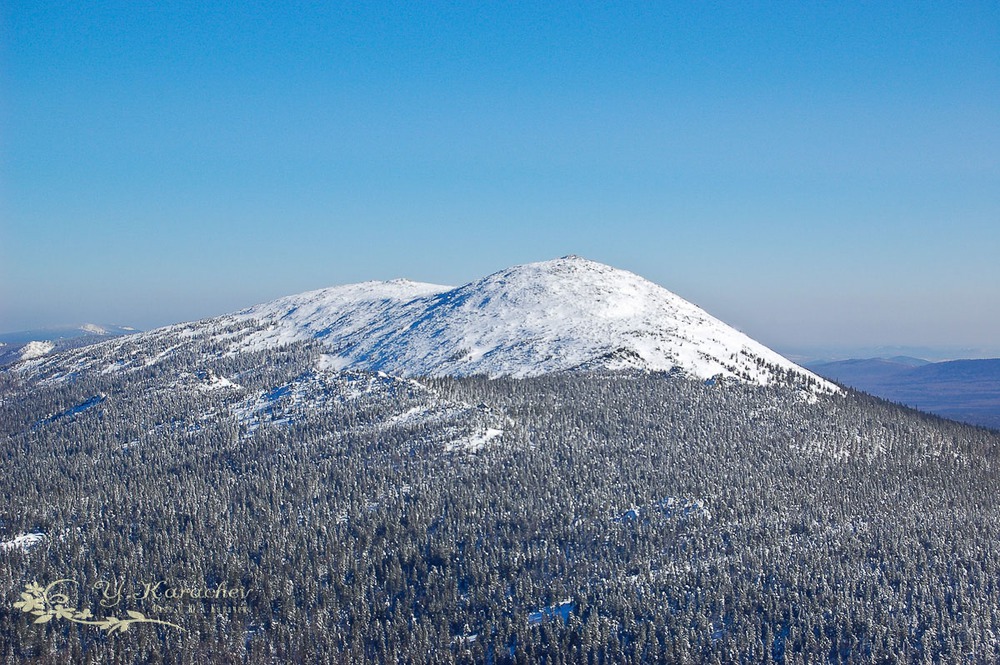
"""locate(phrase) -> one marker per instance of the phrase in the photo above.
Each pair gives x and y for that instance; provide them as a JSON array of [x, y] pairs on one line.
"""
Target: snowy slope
[[563, 314], [558, 315], [341, 315]]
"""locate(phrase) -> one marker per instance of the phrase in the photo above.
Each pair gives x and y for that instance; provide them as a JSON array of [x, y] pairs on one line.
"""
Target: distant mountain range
[[27, 344], [964, 390]]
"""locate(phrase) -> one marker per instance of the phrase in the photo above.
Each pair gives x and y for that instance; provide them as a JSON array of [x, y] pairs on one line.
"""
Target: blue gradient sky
[[813, 173]]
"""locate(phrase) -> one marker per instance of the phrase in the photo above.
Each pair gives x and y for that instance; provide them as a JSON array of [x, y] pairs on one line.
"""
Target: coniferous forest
[[268, 511]]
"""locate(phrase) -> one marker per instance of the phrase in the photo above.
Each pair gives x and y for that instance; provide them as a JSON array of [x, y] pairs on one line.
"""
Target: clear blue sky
[[813, 173]]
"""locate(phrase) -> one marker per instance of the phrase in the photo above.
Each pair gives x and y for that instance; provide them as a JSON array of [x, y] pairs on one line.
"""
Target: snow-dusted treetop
[[563, 314]]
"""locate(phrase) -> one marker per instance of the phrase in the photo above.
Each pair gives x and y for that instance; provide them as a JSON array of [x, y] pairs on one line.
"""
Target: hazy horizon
[[797, 352]]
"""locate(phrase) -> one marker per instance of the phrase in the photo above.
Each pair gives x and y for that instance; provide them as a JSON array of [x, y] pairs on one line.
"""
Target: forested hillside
[[575, 517]]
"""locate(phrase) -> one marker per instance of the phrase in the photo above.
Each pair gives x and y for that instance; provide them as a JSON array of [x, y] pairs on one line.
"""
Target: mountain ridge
[[562, 314], [559, 315]]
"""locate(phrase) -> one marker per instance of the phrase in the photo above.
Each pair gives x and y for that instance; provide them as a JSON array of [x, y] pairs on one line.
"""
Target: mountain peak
[[570, 262], [556, 315]]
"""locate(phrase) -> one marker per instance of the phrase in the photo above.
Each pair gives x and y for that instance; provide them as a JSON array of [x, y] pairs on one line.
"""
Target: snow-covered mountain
[[565, 314], [478, 511]]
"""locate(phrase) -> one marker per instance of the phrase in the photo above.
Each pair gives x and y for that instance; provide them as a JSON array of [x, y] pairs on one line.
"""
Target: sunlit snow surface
[[36, 349], [563, 314], [558, 315], [25, 541]]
